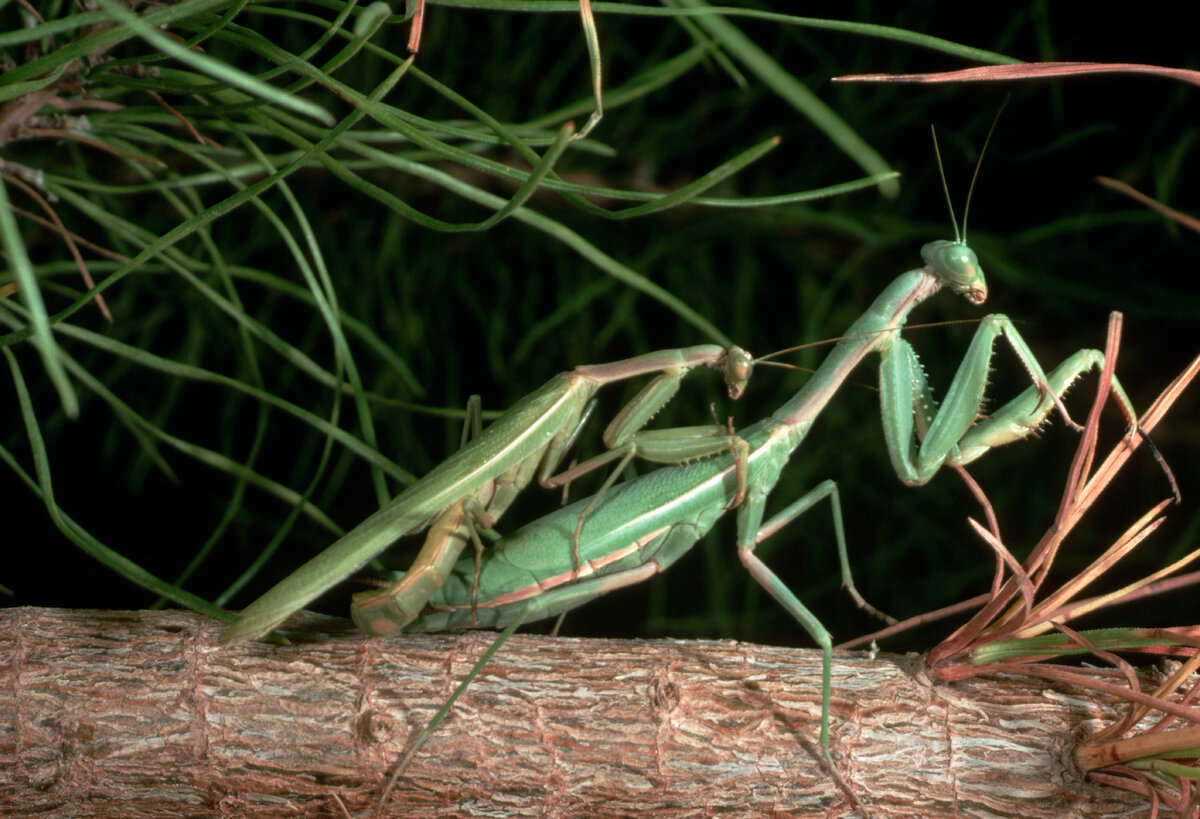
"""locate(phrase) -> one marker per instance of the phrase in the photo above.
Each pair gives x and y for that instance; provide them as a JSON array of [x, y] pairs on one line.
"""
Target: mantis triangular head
[[954, 263]]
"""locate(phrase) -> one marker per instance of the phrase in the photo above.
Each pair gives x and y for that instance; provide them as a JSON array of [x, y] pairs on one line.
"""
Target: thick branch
[[144, 713]]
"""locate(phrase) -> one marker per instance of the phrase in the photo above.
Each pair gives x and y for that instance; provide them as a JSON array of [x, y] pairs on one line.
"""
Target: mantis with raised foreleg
[[643, 526], [473, 487]]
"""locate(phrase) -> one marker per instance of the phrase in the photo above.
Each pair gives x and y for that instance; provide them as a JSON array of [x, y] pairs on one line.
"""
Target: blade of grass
[[44, 488], [214, 68], [759, 63], [31, 296]]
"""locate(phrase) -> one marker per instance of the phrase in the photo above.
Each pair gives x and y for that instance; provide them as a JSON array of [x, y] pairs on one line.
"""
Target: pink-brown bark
[[144, 713]]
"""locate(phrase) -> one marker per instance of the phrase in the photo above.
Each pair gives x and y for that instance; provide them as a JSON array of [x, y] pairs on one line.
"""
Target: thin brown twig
[[33, 12], [99, 250], [1150, 589], [184, 121], [1149, 420], [58, 133], [918, 620], [1134, 535], [1064, 674], [1004, 557], [1189, 222], [989, 512], [1130, 719], [1132, 781], [1185, 670], [418, 23], [1080, 493], [1078, 609], [1081, 464], [62, 231]]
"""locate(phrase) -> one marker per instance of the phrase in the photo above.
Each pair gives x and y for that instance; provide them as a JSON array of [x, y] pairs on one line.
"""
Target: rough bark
[[144, 713]]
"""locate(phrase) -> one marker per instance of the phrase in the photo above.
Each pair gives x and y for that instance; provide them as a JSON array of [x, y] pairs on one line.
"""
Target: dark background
[[488, 313]]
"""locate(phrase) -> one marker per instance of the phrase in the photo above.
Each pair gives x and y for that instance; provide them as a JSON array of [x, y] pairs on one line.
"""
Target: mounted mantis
[[643, 526], [481, 480]]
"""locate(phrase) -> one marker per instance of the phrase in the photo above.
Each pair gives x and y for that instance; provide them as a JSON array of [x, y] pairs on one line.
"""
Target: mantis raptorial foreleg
[[527, 442]]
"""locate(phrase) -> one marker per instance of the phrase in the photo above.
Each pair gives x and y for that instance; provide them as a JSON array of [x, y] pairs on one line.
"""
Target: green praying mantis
[[639, 528], [644, 525], [480, 481]]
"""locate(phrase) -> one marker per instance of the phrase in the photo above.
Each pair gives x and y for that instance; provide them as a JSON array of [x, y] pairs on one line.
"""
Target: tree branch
[[144, 713]]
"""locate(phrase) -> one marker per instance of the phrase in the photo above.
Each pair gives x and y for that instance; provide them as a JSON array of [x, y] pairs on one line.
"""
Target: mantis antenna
[[962, 238], [958, 237]]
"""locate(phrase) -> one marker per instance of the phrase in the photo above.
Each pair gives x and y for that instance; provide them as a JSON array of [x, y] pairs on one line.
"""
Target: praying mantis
[[644, 525], [482, 479], [566, 558]]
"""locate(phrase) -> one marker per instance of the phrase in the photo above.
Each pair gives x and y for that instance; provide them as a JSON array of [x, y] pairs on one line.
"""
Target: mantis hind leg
[[786, 598], [825, 489], [752, 531], [442, 712], [383, 611]]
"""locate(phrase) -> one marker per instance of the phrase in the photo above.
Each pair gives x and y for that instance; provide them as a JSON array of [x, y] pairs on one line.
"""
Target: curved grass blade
[[795, 93], [43, 486], [39, 322], [214, 68]]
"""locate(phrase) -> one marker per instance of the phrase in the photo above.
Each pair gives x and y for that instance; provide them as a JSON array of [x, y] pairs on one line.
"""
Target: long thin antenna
[[946, 188], [979, 162]]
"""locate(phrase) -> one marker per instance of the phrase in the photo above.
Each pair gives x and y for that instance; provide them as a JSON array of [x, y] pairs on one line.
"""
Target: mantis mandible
[[481, 480], [643, 526]]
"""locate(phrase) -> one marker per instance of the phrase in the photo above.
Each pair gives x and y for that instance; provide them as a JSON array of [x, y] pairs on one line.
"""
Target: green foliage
[[314, 249]]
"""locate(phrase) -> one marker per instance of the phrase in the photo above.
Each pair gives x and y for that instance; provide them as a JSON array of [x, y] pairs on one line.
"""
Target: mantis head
[[738, 365], [956, 266], [953, 263]]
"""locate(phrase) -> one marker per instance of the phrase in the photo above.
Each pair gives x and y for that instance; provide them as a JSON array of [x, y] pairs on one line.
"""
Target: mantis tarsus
[[481, 480], [642, 526]]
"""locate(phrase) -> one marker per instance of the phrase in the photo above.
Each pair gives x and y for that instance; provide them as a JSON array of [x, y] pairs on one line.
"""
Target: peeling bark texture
[[108, 713]]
